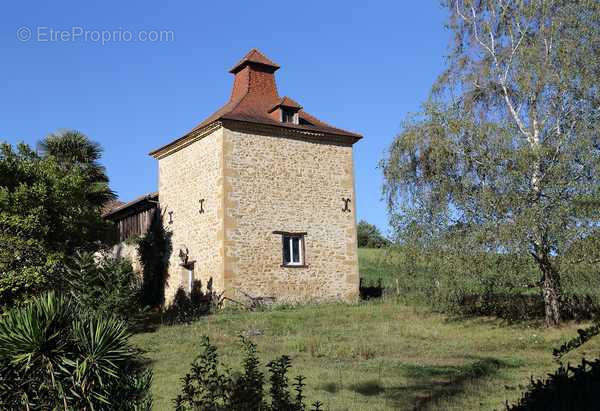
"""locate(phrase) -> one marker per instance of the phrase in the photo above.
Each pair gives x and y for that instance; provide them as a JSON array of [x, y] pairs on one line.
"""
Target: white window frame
[[291, 239], [290, 236], [190, 280]]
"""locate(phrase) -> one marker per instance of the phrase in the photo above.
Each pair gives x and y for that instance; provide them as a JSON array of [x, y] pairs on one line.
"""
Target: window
[[293, 250], [288, 116], [190, 281]]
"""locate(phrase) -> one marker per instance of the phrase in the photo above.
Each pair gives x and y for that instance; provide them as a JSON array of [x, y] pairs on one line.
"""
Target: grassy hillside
[[379, 355], [375, 264]]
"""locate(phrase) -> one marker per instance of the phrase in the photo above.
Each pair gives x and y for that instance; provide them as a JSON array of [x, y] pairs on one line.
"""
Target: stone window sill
[[293, 266]]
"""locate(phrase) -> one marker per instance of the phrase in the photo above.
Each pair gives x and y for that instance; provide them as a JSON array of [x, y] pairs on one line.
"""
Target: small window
[[293, 250], [288, 116]]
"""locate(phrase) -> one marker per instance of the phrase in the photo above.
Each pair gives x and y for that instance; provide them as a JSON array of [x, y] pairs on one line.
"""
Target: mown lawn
[[373, 356]]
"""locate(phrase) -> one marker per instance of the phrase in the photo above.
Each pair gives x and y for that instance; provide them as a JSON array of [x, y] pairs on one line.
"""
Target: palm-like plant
[[73, 149], [32, 351], [51, 355]]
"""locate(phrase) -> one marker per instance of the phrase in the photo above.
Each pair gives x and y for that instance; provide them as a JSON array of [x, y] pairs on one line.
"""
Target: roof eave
[[270, 67], [150, 197], [198, 133], [185, 140], [316, 133]]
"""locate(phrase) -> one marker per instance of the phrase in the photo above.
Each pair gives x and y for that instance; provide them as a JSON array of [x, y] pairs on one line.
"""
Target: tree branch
[[511, 108]]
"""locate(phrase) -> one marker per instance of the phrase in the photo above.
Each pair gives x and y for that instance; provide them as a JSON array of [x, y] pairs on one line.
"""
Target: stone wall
[[278, 183], [255, 183], [128, 250], [185, 177]]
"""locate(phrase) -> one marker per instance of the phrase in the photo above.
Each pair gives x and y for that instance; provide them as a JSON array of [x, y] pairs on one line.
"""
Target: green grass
[[374, 356], [376, 264]]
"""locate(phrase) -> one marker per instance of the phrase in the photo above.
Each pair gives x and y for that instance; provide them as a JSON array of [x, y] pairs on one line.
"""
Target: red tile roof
[[254, 56], [254, 96], [286, 102]]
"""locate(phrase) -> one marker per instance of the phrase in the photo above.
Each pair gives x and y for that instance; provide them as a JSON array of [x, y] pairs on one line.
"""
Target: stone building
[[259, 197]]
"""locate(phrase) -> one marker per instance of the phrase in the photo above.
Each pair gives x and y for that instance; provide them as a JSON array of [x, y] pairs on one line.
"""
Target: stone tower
[[260, 197]]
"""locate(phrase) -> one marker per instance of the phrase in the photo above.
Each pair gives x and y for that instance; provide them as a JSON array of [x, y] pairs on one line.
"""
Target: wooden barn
[[133, 218]]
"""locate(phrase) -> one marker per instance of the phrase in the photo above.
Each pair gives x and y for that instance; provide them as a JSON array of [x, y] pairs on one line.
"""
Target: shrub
[[568, 388], [525, 306], [105, 284], [583, 336], [206, 387], [50, 204], [369, 236], [187, 308], [52, 356], [478, 283]]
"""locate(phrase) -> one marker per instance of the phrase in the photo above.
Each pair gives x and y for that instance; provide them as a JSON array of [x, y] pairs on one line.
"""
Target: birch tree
[[507, 148]]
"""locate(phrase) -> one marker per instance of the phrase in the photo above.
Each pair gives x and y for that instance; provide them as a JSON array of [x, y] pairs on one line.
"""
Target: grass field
[[376, 264], [373, 356]]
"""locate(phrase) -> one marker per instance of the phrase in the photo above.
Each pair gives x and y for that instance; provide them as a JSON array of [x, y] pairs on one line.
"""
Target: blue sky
[[361, 66]]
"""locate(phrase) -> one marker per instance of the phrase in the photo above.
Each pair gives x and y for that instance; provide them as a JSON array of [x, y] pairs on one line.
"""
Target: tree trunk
[[551, 291]]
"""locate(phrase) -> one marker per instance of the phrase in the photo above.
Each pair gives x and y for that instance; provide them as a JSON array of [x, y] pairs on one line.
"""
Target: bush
[[478, 283], [205, 387], [105, 284], [369, 236], [568, 388], [521, 306], [187, 308], [53, 356], [50, 205]]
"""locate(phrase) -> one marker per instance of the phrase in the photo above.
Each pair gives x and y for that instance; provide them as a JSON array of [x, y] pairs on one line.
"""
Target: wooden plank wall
[[135, 224]]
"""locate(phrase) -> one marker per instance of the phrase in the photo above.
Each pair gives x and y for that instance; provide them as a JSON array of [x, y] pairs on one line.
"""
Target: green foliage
[[568, 388], [504, 157], [154, 250], [369, 236], [584, 335], [187, 308], [74, 151], [206, 387], [105, 284], [54, 356], [474, 284], [49, 207]]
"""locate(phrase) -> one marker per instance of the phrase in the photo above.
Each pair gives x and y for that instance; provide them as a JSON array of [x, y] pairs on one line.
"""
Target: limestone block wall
[[276, 183], [185, 177]]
